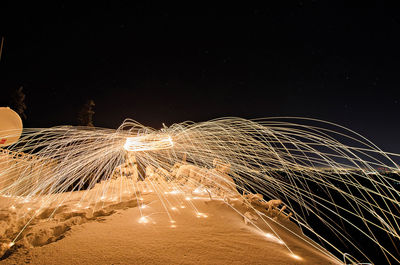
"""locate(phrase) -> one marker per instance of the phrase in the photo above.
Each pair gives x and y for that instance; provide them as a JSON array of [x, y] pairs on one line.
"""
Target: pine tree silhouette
[[18, 102], [85, 116]]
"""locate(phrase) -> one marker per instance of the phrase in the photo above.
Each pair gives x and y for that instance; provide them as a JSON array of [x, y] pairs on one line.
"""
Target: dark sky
[[159, 63]]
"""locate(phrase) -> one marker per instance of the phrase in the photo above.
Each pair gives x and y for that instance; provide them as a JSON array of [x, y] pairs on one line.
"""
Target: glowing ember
[[295, 256], [274, 238], [143, 220]]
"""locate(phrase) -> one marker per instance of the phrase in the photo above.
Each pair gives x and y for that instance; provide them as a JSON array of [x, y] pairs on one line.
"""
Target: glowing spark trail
[[148, 143], [307, 171]]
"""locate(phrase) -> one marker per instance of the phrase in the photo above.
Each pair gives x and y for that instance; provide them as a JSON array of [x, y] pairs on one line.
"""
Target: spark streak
[[318, 170]]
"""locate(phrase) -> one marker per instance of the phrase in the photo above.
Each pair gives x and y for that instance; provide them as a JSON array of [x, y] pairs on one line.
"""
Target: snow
[[118, 231]]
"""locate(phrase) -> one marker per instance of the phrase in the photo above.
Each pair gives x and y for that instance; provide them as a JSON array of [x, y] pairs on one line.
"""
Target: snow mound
[[135, 228]]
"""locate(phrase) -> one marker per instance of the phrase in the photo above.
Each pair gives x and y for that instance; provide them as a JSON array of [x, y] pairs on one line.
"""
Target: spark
[[174, 192], [274, 238], [143, 220], [201, 215], [199, 191], [295, 256], [148, 143], [299, 162]]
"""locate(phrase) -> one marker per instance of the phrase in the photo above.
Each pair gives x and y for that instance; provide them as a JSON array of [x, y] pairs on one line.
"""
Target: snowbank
[[128, 227]]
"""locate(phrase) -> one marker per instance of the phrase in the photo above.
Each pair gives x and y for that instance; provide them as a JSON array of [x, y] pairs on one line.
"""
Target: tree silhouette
[[18, 102], [85, 116]]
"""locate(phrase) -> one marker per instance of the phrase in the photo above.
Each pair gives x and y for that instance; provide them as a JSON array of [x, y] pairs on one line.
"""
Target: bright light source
[[143, 220], [148, 143], [201, 215], [199, 191], [295, 256], [274, 238], [269, 235]]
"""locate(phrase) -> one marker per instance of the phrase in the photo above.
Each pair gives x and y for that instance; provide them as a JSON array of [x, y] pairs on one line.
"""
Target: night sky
[[159, 63]]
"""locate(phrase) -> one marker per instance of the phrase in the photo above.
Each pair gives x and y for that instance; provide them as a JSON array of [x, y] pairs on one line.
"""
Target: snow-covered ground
[[125, 227]]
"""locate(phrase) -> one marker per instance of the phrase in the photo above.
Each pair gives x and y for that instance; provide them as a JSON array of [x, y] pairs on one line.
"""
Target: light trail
[[319, 170]]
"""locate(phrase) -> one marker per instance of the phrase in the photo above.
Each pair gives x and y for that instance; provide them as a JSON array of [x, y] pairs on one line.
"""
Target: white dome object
[[10, 126]]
